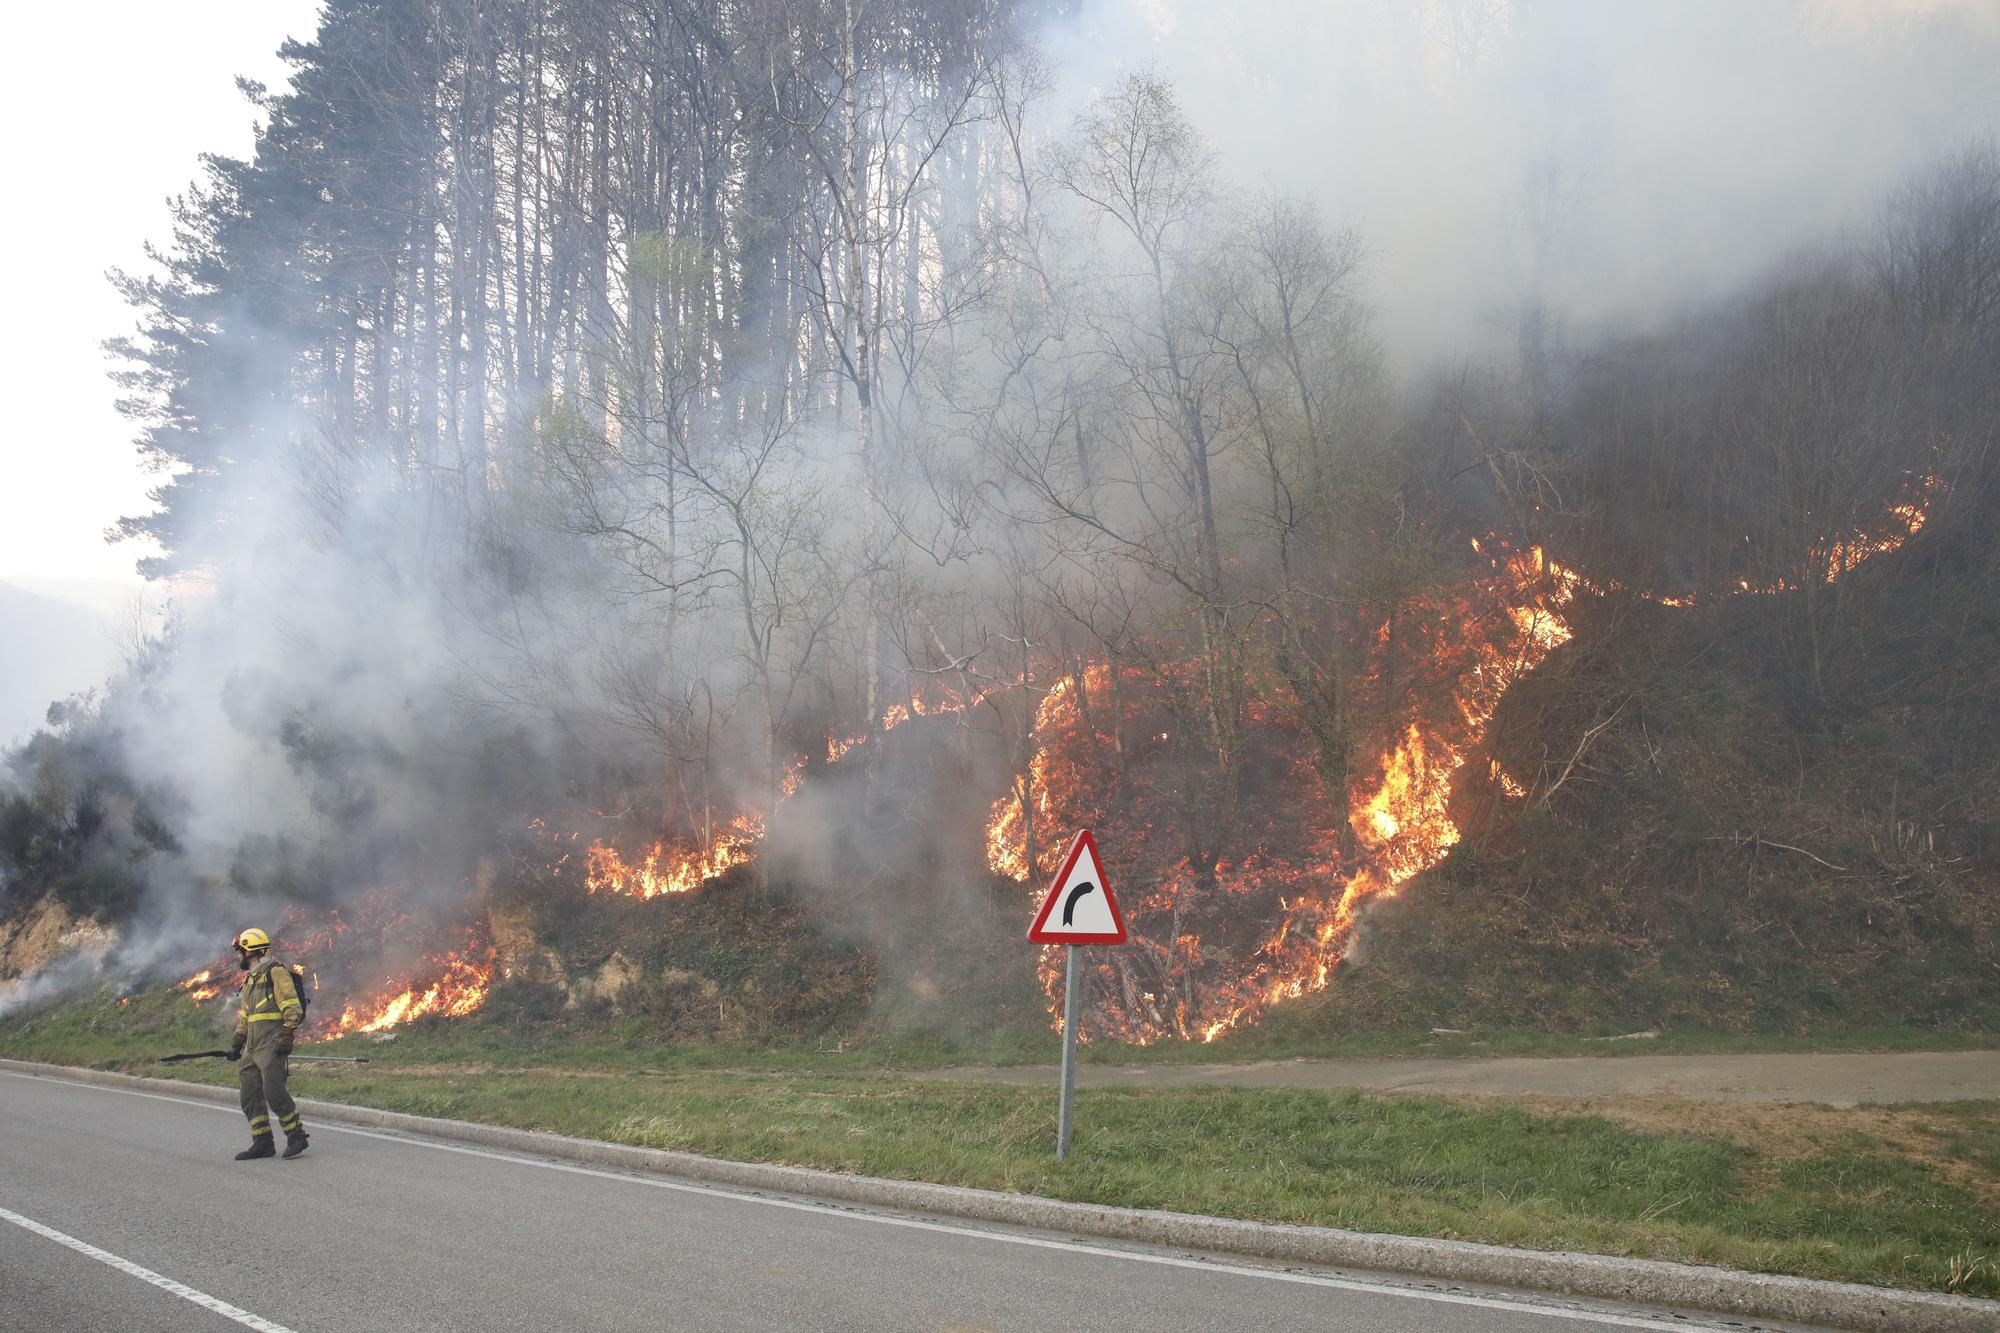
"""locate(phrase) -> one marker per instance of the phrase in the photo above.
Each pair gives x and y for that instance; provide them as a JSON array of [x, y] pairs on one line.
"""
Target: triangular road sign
[[1079, 908]]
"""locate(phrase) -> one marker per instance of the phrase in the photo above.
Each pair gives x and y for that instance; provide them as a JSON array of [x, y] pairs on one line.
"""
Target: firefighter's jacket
[[268, 1004]]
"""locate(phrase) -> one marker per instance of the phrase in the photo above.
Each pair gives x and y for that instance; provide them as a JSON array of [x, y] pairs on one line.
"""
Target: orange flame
[[669, 867], [459, 989], [682, 865], [1006, 826], [895, 715], [1399, 812], [1501, 627], [1833, 559], [202, 986], [449, 981], [1404, 823]]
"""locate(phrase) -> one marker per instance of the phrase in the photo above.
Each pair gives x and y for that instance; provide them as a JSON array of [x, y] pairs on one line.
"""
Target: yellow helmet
[[253, 940]]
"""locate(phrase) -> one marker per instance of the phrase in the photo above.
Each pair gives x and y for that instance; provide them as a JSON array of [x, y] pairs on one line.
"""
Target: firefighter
[[267, 1023]]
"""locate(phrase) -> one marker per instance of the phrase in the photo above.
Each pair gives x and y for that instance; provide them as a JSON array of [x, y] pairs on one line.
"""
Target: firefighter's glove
[[285, 1039], [236, 1049]]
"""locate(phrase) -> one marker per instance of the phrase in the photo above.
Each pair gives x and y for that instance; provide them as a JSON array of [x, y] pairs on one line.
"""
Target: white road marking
[[180, 1289], [857, 1213]]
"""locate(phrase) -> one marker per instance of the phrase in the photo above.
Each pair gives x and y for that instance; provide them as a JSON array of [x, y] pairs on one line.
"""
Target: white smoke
[[1647, 155]]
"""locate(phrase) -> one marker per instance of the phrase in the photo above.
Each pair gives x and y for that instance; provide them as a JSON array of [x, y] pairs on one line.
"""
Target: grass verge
[[1905, 1196], [100, 1028]]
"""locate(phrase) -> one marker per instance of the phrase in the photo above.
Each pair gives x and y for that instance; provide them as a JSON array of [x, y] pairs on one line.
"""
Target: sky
[[110, 107]]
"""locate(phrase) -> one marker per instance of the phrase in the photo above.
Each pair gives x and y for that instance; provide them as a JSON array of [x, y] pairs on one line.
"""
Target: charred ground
[[1693, 852], [1702, 849]]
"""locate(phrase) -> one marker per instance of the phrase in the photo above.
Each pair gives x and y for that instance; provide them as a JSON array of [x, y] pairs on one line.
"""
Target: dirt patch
[[44, 935], [1835, 1079], [1774, 1132]]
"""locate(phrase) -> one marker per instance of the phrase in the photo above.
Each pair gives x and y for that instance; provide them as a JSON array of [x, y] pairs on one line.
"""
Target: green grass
[[95, 1029], [1852, 1204], [1413, 1166], [1274, 1040], [632, 1046]]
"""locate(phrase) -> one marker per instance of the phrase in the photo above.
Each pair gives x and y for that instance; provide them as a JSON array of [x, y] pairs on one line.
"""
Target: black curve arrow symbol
[[1069, 903]]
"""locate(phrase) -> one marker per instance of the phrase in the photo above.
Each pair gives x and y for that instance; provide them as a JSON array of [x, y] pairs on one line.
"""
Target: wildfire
[[202, 986], [1904, 519], [670, 866], [459, 989], [454, 974], [337, 949], [952, 703], [1831, 560], [1404, 824], [1449, 658], [1477, 642], [1513, 790], [683, 863], [895, 715], [1006, 835]]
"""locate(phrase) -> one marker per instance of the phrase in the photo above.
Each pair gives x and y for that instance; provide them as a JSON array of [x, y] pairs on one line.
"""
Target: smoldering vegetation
[[850, 446]]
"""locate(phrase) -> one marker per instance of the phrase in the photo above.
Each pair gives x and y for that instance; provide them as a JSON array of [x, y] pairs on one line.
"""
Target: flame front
[[682, 864], [1210, 950], [1006, 828], [1403, 823], [1499, 626], [1469, 645], [457, 989], [1829, 560], [450, 977], [672, 867], [202, 986]]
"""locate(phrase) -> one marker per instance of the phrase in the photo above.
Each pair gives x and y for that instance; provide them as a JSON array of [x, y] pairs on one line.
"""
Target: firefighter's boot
[[295, 1143], [260, 1146]]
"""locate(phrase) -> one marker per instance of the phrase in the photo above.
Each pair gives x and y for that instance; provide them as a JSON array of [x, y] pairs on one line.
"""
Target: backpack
[[302, 983]]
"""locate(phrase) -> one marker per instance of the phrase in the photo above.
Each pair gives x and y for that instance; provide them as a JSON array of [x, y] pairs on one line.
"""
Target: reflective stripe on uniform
[[264, 1018], [260, 1124], [289, 1002], [288, 1123], [261, 989]]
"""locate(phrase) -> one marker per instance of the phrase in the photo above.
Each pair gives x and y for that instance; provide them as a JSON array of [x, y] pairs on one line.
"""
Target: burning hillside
[[684, 860], [371, 968], [377, 967], [533, 470], [1244, 886], [673, 865], [1244, 896], [1241, 898]]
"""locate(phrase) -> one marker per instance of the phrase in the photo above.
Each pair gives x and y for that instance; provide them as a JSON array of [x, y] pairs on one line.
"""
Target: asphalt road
[[378, 1231], [1844, 1078]]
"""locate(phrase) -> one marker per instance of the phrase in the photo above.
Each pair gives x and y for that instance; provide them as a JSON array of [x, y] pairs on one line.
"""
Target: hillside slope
[[1694, 848]]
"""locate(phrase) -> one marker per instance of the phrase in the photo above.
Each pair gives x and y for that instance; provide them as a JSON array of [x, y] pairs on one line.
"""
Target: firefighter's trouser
[[260, 1079]]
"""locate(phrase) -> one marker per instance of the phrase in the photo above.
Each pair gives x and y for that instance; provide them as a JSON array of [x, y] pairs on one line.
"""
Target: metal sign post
[[1072, 983], [1078, 910]]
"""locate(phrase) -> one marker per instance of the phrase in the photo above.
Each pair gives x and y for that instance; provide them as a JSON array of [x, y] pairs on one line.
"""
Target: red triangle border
[[1036, 933]]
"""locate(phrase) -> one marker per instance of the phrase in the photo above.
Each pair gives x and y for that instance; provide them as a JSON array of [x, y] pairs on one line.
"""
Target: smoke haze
[[1613, 161], [630, 582]]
